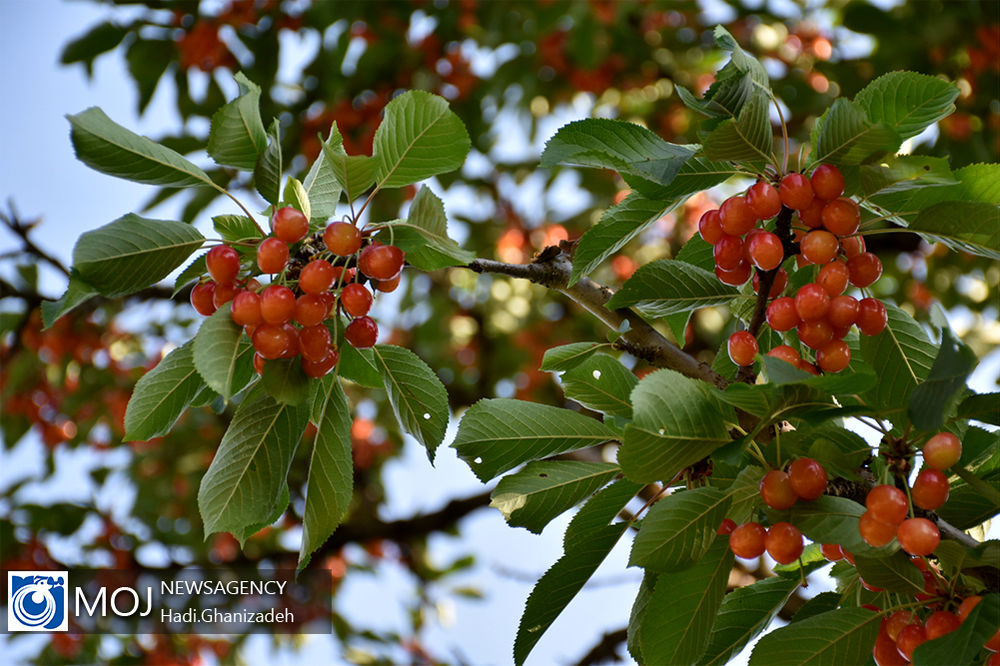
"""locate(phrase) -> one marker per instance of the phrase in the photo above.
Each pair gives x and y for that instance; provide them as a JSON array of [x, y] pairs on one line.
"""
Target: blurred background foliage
[[513, 71]]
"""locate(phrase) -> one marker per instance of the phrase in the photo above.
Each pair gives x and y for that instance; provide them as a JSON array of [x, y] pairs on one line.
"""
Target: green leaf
[[248, 472], [534, 495], [295, 196], [895, 572], [983, 407], [964, 226], [497, 435], [901, 356], [419, 137], [743, 492], [267, 170], [746, 138], [666, 286], [105, 146], [77, 293], [192, 272], [424, 238], [331, 469], [162, 394], [286, 381], [235, 228], [237, 137], [567, 357], [599, 511], [745, 612], [930, 399], [679, 529], [557, 587], [678, 618], [907, 102], [132, 253], [223, 355], [147, 60], [638, 613], [835, 638], [618, 225], [903, 173], [742, 79], [601, 383], [962, 645], [828, 519], [629, 149], [265, 518], [844, 136], [821, 603], [354, 173], [418, 398], [976, 183], [101, 38], [321, 184], [677, 423], [358, 365]]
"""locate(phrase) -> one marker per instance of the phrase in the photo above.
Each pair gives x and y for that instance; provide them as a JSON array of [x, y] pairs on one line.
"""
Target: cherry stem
[[784, 132]]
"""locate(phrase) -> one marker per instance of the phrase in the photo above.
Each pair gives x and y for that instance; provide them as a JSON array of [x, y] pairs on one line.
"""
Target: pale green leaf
[[963, 226], [895, 572], [321, 184], [901, 356], [746, 138], [296, 197], [418, 398], [235, 228], [354, 173], [223, 355], [844, 136], [567, 357], [601, 383], [534, 495], [133, 253], [907, 102], [237, 136], [499, 434], [162, 394]]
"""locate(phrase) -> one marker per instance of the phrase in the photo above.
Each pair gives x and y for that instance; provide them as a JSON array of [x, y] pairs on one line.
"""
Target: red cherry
[[930, 489], [885, 652], [967, 605], [833, 278], [784, 543], [843, 312], [356, 300], [258, 363], [223, 263], [841, 217], [776, 490], [290, 225], [910, 637], [381, 262], [314, 342], [834, 356], [785, 353], [710, 226], [815, 334], [272, 255], [224, 293], [852, 246], [807, 478], [386, 286], [819, 246], [747, 540], [896, 621], [777, 286], [317, 369], [827, 182], [271, 341], [888, 504], [277, 304], [812, 215], [736, 215], [342, 238], [795, 191], [864, 269], [203, 298], [940, 623], [942, 451], [316, 277], [872, 316], [728, 252], [831, 551], [361, 332], [764, 200], [782, 315], [812, 302], [310, 309], [874, 532], [726, 527], [766, 251], [918, 536], [742, 347], [733, 278], [246, 309]]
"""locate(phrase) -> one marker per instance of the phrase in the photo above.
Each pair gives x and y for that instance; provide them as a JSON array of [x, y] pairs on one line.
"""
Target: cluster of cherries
[[820, 312], [805, 480], [324, 277]]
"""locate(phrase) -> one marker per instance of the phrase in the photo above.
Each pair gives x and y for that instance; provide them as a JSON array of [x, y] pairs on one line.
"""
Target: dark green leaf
[[907, 102], [930, 399], [679, 529], [132, 253], [746, 138], [234, 228], [499, 434], [894, 572], [901, 356], [418, 398], [286, 381], [829, 519], [237, 137], [331, 477], [247, 475], [77, 293], [419, 137], [976, 183], [358, 365], [666, 286], [534, 495], [162, 395], [424, 238], [964, 226], [821, 603], [677, 423], [983, 407], [268, 167], [223, 355], [638, 614], [100, 39], [104, 145], [844, 136], [193, 271], [835, 638], [599, 511], [147, 60], [962, 645], [745, 612], [601, 383]]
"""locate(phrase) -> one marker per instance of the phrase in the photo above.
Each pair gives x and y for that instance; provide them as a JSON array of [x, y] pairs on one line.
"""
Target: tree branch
[[552, 269]]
